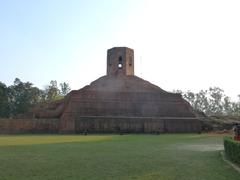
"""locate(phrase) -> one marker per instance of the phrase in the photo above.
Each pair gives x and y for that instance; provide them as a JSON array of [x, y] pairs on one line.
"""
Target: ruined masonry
[[120, 102]]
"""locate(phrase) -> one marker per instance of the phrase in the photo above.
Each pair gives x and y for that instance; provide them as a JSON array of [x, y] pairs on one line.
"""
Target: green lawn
[[157, 157]]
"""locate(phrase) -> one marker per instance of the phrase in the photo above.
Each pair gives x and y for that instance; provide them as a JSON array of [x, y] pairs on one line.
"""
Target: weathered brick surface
[[112, 97], [136, 124], [11, 126]]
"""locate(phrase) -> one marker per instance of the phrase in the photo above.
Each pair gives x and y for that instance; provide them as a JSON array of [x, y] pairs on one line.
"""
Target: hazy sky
[[187, 45]]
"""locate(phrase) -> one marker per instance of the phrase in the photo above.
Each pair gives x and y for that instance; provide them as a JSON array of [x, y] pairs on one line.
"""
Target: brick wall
[[137, 125], [12, 126]]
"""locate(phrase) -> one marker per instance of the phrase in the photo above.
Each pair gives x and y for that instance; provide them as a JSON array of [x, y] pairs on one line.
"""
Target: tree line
[[20, 96], [212, 102]]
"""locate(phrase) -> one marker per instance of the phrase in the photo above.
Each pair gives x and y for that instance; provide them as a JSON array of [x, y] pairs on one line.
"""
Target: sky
[[186, 45]]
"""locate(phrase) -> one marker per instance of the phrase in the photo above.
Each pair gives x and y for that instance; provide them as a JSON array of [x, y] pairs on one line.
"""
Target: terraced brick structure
[[121, 102]]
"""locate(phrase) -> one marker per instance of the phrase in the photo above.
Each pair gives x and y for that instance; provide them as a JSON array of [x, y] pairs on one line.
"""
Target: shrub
[[232, 149]]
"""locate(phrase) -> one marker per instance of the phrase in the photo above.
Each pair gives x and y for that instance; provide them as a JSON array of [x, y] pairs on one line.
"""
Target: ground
[[162, 157]]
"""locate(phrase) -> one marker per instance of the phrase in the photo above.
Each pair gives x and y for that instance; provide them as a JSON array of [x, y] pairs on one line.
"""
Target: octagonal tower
[[120, 61]]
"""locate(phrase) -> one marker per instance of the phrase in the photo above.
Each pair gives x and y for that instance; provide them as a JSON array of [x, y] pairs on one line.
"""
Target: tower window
[[120, 65], [120, 59]]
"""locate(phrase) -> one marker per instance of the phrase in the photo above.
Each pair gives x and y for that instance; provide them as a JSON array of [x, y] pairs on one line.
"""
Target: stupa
[[121, 102]]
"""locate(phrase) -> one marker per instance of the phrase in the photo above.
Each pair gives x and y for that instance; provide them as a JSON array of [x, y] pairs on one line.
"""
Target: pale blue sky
[[178, 44]]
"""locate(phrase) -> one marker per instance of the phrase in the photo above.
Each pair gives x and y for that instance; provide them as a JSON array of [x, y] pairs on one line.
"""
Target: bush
[[232, 149]]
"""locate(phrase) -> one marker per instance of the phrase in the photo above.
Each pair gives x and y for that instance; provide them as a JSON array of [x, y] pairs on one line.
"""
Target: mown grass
[[48, 139], [161, 157]]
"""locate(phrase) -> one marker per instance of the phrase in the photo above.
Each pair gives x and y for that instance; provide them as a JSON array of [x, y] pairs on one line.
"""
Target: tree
[[227, 106], [4, 102], [190, 97], [236, 107], [19, 97], [201, 102], [212, 102], [215, 100], [52, 91], [22, 96], [65, 88]]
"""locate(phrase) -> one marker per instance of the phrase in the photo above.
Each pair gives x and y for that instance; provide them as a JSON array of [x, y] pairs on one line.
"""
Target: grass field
[[157, 157]]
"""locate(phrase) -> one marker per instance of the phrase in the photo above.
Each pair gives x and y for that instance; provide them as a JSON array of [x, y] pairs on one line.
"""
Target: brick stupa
[[121, 102]]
